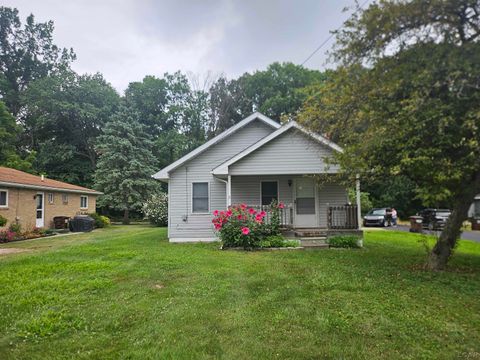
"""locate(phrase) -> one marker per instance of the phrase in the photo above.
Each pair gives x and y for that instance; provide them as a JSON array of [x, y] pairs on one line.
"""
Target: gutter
[[37, 187]]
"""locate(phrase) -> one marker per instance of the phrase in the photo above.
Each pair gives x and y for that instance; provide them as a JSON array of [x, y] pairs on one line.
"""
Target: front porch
[[309, 207]]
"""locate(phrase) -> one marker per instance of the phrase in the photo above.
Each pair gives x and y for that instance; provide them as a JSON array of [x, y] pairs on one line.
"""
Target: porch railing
[[285, 215], [342, 217]]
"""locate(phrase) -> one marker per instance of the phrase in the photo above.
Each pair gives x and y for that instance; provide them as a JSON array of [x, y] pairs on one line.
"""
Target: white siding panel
[[330, 195], [291, 153], [198, 170], [246, 189]]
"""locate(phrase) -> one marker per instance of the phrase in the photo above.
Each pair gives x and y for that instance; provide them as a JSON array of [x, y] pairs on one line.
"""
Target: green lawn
[[125, 292]]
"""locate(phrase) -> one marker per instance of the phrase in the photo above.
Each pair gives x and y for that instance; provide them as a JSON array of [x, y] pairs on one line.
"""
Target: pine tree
[[125, 166]]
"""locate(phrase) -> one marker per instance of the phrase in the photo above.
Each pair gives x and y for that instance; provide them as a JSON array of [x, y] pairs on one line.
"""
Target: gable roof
[[222, 169], [16, 178], [163, 174]]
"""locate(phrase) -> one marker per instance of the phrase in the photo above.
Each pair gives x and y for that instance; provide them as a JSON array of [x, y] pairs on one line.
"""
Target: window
[[65, 198], [83, 202], [269, 192], [3, 198], [51, 198], [200, 197]]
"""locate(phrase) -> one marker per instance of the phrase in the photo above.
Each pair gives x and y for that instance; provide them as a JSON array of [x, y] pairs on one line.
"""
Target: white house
[[475, 207], [254, 162]]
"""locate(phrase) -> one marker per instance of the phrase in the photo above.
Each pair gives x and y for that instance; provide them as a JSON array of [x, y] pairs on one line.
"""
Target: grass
[[126, 293]]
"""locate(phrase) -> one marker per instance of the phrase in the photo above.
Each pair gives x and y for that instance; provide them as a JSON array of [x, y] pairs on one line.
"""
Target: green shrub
[[155, 209], [278, 241], [100, 220], [15, 228], [243, 226], [3, 221], [344, 241]]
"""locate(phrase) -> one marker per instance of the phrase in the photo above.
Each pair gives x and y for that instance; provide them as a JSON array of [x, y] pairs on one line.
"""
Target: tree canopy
[[405, 101], [27, 53], [126, 163]]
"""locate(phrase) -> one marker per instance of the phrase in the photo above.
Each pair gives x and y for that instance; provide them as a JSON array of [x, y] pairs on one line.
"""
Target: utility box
[[416, 224], [81, 224]]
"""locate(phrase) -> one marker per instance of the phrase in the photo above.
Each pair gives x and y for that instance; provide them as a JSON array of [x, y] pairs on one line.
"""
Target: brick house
[[33, 201]]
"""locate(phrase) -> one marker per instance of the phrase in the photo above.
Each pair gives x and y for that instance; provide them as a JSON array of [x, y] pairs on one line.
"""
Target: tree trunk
[[126, 219], [443, 249]]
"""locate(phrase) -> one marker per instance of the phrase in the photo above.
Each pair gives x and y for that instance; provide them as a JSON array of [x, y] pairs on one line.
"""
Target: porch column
[[229, 191], [359, 207]]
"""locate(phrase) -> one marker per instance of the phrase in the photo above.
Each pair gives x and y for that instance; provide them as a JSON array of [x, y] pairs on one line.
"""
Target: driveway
[[466, 235]]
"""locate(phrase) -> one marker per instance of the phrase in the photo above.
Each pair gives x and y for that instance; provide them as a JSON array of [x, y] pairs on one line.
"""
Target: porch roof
[[223, 169]]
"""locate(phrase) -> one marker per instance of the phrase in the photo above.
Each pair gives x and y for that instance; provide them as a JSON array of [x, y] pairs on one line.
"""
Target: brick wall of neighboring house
[[22, 206]]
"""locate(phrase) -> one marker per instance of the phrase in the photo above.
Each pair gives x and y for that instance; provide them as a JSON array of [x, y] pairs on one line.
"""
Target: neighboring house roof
[[164, 173], [16, 178], [222, 169]]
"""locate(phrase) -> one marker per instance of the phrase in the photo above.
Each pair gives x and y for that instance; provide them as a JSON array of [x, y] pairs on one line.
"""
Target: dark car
[[434, 219], [376, 217]]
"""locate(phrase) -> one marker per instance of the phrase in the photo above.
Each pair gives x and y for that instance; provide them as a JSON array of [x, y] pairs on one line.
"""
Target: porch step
[[311, 233], [314, 243]]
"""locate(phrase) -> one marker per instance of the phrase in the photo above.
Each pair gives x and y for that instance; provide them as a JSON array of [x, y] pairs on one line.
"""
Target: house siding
[[291, 153], [199, 170], [246, 189]]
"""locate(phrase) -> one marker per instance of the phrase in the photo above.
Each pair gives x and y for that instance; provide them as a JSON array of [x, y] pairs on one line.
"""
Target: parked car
[[376, 217], [434, 219]]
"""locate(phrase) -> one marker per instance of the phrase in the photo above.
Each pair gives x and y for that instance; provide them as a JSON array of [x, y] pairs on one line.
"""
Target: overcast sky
[[127, 39]]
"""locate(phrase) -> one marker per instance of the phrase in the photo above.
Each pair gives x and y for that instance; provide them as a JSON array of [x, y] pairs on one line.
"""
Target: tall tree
[[26, 53], [10, 131], [406, 101], [126, 163], [274, 92], [65, 114], [173, 113]]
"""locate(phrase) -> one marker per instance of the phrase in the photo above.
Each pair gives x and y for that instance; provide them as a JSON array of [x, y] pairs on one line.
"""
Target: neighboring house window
[[65, 198], [3, 198], [51, 198], [269, 192], [83, 202], [200, 197]]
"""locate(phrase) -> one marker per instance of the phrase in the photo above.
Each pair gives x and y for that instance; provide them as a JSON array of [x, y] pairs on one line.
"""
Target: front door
[[305, 203], [40, 210]]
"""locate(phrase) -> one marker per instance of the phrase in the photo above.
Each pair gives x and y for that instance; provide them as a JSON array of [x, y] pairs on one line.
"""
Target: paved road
[[466, 235]]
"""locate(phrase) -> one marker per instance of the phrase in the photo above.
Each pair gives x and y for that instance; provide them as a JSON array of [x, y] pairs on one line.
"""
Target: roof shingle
[[8, 175]]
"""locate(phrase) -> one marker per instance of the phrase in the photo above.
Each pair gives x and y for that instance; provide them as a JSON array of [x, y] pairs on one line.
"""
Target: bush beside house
[[155, 209], [101, 221], [243, 226]]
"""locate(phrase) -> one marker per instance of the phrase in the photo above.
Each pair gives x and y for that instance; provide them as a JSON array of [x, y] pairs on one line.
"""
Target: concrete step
[[313, 238], [310, 233], [313, 243]]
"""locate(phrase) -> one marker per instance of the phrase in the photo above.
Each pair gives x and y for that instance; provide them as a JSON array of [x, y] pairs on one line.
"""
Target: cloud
[[126, 40]]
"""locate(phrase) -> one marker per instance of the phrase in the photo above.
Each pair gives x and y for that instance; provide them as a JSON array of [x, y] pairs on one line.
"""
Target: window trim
[[278, 190], [6, 199], [191, 198], [83, 207], [65, 199], [51, 202]]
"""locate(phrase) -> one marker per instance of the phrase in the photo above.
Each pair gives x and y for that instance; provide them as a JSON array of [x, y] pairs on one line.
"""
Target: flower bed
[[14, 233], [245, 227]]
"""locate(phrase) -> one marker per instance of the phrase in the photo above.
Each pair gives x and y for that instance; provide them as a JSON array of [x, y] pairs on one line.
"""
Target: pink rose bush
[[243, 226]]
